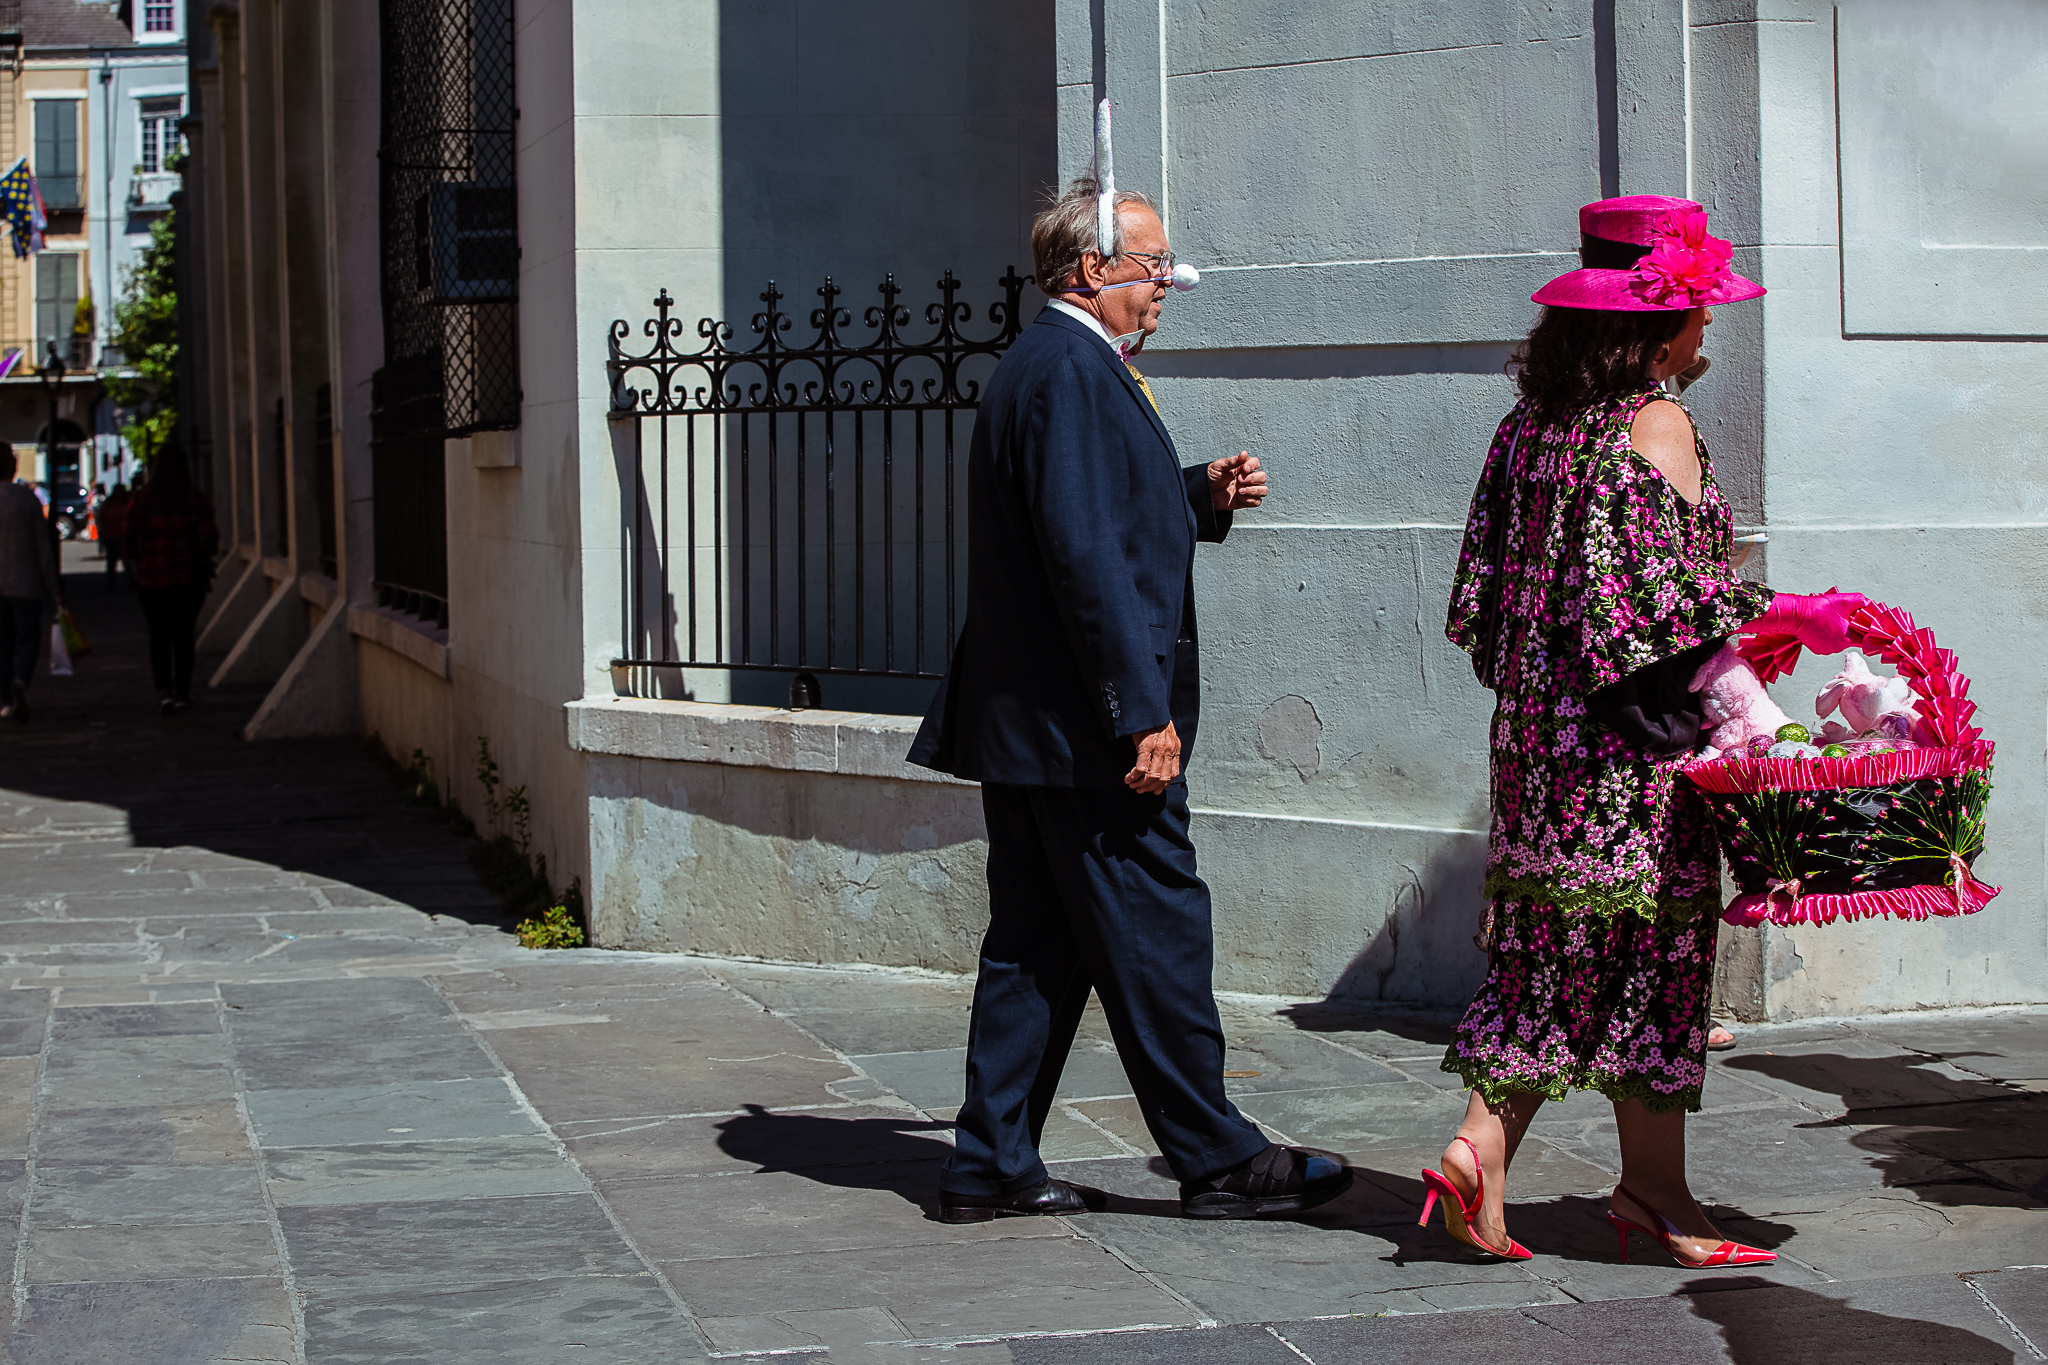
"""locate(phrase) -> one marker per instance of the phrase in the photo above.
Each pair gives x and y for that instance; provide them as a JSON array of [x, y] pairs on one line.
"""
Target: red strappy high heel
[[1726, 1254], [1458, 1214]]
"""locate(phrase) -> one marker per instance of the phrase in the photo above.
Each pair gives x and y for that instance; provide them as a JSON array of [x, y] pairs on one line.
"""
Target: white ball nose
[[1186, 277]]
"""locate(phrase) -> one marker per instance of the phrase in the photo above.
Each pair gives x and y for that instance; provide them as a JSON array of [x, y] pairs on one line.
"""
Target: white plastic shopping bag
[[60, 657]]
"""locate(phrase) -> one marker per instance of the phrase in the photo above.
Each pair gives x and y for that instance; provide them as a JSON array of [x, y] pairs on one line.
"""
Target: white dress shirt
[[1121, 345]]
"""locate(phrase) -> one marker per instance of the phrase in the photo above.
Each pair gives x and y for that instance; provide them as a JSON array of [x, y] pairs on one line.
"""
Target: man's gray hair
[[1067, 230]]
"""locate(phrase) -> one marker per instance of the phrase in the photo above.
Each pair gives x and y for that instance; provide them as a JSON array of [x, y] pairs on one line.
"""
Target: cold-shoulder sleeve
[[1642, 597], [1475, 591]]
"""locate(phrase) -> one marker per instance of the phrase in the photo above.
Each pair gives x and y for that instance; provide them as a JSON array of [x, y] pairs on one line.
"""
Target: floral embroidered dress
[[1581, 565]]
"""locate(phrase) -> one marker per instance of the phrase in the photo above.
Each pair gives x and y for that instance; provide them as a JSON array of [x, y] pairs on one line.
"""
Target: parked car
[[69, 512]]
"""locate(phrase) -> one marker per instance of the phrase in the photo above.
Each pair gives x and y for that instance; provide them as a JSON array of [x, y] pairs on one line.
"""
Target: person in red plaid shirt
[[170, 545]]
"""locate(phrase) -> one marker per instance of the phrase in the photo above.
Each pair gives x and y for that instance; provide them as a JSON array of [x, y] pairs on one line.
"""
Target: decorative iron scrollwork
[[829, 374]]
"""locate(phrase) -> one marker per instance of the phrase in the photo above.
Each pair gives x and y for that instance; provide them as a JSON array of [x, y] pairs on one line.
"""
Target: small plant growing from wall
[[487, 773], [561, 926], [508, 866]]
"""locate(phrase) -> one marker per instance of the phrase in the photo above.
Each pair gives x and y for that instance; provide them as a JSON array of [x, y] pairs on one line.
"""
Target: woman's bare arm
[[1663, 435]]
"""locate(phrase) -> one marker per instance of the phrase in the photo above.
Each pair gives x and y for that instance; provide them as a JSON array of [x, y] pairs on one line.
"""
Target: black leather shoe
[[1051, 1199], [1276, 1181]]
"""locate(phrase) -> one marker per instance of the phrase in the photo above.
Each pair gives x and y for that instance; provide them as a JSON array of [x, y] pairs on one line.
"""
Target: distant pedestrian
[[28, 586], [170, 540], [112, 521]]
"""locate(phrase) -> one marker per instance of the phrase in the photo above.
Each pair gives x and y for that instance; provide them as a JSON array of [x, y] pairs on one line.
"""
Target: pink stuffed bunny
[[1734, 703]]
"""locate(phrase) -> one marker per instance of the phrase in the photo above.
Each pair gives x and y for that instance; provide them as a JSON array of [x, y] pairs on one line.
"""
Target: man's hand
[[1158, 760], [1236, 482]]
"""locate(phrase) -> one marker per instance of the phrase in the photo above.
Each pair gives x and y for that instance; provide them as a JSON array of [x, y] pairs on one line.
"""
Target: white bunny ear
[[1106, 227], [1832, 693]]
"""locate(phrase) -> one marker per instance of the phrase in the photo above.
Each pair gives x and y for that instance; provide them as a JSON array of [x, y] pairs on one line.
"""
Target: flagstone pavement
[[279, 1086]]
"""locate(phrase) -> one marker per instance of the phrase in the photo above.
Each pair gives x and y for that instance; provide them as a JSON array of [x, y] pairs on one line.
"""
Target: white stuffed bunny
[[1864, 697]]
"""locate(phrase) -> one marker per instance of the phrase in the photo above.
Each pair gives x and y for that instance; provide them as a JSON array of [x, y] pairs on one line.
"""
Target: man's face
[[1135, 309]]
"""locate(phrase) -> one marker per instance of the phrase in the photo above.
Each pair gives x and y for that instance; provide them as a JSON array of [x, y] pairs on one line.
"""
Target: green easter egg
[[1834, 751], [1794, 732]]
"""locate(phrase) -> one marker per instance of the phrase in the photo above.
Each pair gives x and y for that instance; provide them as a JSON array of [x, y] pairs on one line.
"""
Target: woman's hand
[[1236, 482], [1819, 621]]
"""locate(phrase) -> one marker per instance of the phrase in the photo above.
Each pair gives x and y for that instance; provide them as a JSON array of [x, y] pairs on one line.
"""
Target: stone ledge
[[408, 636], [322, 591], [851, 743]]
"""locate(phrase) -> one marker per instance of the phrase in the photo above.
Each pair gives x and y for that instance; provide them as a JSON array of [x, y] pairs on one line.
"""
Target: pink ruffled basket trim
[[1743, 774], [1901, 902]]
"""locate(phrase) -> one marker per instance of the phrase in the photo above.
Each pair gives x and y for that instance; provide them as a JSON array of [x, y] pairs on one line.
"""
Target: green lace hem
[[1613, 1088], [1605, 902]]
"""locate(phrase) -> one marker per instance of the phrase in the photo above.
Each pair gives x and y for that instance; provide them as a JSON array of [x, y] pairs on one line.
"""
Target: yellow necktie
[[1150, 397]]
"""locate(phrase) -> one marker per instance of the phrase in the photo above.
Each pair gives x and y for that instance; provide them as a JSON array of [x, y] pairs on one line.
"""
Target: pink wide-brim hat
[[1648, 253]]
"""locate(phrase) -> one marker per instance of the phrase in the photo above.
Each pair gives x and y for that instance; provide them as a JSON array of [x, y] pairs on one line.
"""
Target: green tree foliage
[[146, 329]]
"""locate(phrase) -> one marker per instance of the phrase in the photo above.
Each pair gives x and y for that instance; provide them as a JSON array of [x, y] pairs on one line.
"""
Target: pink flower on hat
[[1687, 267]]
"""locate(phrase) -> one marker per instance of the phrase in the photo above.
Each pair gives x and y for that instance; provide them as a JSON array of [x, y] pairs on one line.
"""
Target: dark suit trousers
[[1093, 889]]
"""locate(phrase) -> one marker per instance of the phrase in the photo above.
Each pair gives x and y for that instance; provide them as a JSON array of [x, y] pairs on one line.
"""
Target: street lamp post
[[51, 373]]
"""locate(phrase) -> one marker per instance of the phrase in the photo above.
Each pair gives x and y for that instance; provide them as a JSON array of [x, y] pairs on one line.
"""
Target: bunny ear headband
[[1108, 230]]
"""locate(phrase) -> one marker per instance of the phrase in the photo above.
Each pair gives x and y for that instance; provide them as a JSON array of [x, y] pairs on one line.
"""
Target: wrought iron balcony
[[151, 191]]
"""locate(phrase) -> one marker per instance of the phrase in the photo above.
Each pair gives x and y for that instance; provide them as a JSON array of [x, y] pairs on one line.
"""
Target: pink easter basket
[[1884, 834]]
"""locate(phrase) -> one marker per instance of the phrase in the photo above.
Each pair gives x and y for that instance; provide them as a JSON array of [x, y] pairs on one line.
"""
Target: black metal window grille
[[323, 478], [280, 476], [449, 252], [409, 536], [796, 506]]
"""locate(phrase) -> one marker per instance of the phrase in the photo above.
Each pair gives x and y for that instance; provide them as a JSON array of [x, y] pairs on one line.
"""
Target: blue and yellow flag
[[21, 203]]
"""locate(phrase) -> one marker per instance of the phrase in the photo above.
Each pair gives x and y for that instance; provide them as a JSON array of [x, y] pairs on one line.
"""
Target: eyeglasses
[[1162, 261]]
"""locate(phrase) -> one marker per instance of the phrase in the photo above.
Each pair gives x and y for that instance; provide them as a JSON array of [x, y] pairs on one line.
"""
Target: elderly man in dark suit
[[1072, 699]]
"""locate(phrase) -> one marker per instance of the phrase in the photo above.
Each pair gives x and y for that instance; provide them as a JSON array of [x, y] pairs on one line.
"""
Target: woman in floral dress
[[1594, 582]]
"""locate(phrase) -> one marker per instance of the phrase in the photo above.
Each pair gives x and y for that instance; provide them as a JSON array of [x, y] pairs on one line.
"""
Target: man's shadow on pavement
[[1955, 1141], [854, 1154]]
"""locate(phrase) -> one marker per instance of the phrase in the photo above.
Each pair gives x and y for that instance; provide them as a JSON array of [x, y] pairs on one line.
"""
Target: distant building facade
[[92, 94]]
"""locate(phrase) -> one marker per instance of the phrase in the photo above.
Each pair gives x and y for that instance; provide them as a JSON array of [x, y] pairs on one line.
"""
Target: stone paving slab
[[132, 1251], [155, 1322], [614, 1319]]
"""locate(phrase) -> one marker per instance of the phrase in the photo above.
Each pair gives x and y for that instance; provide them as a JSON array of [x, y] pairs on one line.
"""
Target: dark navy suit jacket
[[1080, 626]]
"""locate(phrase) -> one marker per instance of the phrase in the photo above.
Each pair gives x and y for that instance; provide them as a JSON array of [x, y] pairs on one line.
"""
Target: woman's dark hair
[[1577, 356]]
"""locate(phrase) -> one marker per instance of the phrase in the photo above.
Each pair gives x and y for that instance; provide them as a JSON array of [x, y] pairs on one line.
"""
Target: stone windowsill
[[851, 743], [322, 591], [423, 642]]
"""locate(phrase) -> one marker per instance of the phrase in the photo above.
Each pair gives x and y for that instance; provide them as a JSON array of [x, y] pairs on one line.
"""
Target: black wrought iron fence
[[323, 479], [797, 506]]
